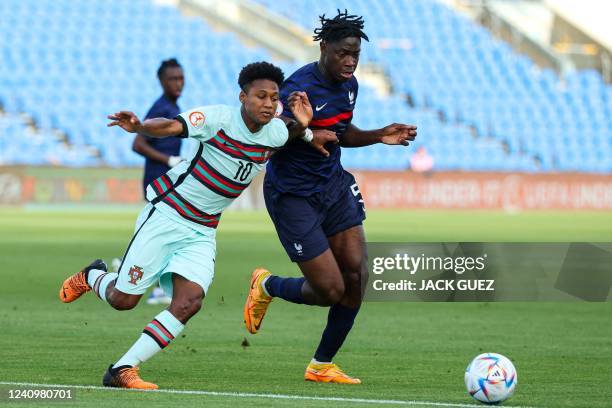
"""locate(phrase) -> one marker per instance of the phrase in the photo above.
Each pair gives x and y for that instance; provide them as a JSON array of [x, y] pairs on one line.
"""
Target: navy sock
[[289, 289], [339, 323]]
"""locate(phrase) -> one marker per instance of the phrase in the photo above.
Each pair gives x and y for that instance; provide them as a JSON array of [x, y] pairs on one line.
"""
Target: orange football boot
[[76, 285], [257, 302], [328, 373], [126, 377]]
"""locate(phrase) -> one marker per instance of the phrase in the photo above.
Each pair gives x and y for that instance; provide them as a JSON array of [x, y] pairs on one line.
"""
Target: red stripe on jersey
[[194, 210], [211, 185], [221, 178], [166, 181], [333, 120], [158, 188], [240, 145], [227, 148], [210, 224]]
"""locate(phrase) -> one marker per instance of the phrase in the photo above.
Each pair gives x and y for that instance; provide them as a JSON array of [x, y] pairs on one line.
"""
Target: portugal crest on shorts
[[135, 274]]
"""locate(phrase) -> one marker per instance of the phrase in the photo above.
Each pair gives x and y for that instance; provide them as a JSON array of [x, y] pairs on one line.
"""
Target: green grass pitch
[[402, 351]]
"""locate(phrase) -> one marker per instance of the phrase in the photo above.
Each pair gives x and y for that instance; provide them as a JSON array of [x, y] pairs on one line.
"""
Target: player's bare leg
[[119, 300], [340, 287], [186, 302], [187, 298], [322, 289], [350, 251]]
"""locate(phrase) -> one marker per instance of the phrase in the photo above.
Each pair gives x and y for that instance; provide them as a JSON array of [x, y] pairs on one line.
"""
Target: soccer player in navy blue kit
[[162, 154], [316, 205]]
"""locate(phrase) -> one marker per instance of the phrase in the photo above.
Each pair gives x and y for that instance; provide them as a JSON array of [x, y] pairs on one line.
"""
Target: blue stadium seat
[[72, 62]]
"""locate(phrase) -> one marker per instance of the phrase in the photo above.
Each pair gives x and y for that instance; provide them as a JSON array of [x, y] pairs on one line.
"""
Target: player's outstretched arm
[[394, 134], [157, 127]]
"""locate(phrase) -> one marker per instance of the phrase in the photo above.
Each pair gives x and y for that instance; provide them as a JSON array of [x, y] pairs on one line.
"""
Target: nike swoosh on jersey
[[318, 108]]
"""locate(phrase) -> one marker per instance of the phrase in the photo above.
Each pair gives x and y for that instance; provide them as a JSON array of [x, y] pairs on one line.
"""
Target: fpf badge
[[135, 274]]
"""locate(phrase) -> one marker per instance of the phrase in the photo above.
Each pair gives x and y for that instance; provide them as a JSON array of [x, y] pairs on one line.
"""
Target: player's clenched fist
[[128, 121]]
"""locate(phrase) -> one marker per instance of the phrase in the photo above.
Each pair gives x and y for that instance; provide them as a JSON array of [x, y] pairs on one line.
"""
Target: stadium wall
[[494, 191], [20, 186]]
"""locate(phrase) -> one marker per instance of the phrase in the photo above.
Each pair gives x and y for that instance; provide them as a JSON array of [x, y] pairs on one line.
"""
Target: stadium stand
[[446, 62], [70, 63], [478, 105]]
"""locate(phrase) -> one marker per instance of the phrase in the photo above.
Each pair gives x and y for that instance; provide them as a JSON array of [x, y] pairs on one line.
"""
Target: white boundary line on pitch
[[255, 395]]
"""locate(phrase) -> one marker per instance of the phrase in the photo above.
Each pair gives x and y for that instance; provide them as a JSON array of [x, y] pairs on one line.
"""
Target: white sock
[[99, 281], [155, 336], [263, 285], [93, 275], [315, 361]]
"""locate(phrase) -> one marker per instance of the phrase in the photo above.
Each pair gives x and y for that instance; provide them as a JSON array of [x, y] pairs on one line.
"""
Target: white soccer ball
[[490, 378]]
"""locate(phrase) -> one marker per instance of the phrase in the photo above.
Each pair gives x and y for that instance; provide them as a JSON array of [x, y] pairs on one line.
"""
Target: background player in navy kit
[[162, 154], [316, 205]]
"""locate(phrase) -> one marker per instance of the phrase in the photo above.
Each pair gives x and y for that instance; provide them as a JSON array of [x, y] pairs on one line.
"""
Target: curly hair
[[260, 70]]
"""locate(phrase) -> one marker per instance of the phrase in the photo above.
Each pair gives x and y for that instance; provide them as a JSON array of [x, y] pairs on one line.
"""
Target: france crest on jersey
[[229, 156]]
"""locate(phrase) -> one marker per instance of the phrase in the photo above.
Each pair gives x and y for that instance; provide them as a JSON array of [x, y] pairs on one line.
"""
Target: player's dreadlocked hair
[[342, 26], [169, 63], [260, 70]]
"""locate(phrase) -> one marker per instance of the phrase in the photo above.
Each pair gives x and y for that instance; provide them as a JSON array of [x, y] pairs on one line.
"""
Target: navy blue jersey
[[162, 108], [298, 168]]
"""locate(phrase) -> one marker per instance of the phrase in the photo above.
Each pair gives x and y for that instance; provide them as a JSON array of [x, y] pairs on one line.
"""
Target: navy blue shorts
[[304, 223]]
